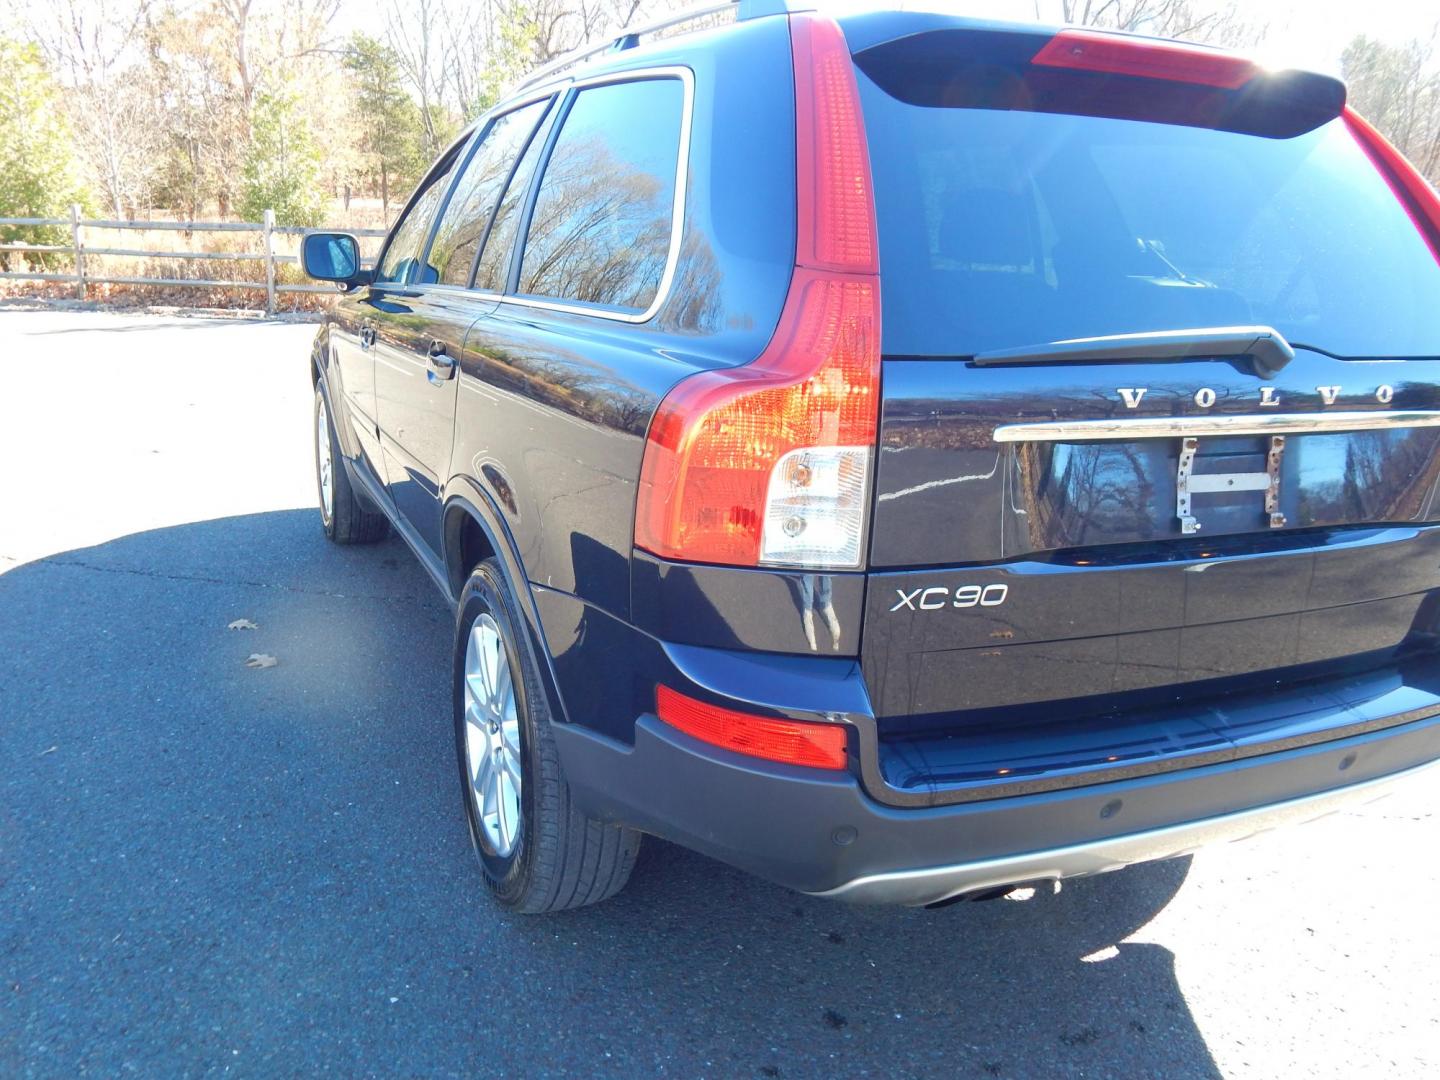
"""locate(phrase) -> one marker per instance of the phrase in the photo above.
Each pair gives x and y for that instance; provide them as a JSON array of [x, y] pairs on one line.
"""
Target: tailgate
[[1065, 536]]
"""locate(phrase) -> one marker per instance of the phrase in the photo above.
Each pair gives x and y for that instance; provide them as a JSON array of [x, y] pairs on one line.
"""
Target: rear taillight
[[1148, 58], [769, 463], [1420, 200], [793, 742]]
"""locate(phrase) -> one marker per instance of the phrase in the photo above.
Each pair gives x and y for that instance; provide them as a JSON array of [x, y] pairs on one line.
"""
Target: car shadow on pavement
[[205, 865]]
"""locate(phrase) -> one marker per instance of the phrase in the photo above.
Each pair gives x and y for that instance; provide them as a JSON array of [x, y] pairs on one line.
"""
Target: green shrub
[[282, 166], [37, 163]]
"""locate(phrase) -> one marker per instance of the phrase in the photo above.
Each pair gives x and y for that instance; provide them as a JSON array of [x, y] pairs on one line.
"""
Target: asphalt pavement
[[208, 868]]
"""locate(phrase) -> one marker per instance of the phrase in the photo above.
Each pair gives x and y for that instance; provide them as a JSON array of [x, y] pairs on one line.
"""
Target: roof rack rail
[[630, 36]]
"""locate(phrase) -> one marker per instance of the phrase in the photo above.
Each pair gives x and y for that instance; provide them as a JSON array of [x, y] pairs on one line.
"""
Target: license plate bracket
[[1189, 483]]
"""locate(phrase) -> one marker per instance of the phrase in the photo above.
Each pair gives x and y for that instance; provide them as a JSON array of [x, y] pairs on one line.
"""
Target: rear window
[[1003, 228]]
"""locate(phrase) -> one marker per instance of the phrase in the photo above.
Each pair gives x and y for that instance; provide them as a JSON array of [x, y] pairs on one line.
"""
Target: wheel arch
[[472, 531], [319, 353]]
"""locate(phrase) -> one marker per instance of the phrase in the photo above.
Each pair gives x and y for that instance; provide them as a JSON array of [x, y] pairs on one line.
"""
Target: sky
[[1301, 33]]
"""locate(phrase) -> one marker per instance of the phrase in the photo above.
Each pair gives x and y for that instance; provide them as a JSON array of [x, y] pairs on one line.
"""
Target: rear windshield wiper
[[1265, 346]]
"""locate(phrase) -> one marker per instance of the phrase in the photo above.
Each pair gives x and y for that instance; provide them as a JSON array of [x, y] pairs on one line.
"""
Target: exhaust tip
[[1019, 891]]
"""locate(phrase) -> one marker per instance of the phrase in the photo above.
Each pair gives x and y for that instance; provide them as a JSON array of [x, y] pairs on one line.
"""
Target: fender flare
[[463, 498], [320, 353]]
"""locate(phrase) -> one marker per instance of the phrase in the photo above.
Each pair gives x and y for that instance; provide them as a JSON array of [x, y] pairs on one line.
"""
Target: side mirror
[[333, 256]]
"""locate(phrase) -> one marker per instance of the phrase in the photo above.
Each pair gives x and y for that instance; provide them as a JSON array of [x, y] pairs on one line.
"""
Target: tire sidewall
[[487, 592]]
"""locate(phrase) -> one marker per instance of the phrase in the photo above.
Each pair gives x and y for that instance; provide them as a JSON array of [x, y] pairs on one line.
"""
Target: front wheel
[[345, 514], [537, 850]]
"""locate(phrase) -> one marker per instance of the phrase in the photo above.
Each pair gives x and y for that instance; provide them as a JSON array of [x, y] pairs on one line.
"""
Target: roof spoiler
[[963, 64]]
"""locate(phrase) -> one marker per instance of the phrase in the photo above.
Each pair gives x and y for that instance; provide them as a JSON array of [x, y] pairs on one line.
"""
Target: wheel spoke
[[490, 786], [476, 673], [504, 703], [510, 736], [477, 749], [484, 783], [494, 665], [476, 694]]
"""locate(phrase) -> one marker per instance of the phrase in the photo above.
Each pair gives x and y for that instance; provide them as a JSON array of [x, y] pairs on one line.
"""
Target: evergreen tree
[[282, 166], [385, 115]]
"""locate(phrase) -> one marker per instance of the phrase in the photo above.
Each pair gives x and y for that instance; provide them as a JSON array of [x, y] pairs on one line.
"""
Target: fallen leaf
[[259, 660], [242, 624]]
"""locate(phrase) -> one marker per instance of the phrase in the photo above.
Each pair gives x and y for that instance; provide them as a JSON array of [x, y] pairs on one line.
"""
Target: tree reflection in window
[[402, 255], [600, 233], [493, 267], [463, 224]]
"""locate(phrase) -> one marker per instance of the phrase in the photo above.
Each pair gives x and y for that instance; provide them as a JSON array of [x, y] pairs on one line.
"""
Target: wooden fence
[[81, 277]]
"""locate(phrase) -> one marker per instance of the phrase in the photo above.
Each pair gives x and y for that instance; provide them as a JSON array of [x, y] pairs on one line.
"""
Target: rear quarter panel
[[553, 406]]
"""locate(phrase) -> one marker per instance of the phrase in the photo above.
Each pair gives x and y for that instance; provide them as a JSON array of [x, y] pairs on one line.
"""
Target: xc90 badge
[[938, 596]]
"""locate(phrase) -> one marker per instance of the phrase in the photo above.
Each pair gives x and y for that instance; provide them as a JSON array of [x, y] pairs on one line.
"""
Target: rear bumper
[[935, 883], [820, 833], [1279, 753]]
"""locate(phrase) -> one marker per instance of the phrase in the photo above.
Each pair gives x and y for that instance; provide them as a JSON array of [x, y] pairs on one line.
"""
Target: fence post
[[269, 262], [79, 254]]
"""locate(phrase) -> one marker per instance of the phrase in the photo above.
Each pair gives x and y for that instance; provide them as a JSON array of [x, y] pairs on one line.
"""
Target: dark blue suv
[[904, 456]]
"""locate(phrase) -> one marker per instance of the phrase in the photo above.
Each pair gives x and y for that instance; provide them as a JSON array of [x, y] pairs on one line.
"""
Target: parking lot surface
[[211, 868]]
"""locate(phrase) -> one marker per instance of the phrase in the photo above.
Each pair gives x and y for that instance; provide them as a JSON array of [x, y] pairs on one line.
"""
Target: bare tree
[[1397, 88], [92, 44], [265, 35], [1216, 22], [497, 41], [415, 30]]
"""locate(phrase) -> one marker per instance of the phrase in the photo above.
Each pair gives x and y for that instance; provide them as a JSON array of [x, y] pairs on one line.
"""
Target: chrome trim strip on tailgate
[[916, 888], [1167, 427]]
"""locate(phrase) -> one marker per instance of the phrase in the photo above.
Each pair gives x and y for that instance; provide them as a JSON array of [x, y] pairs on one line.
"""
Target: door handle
[[442, 365]]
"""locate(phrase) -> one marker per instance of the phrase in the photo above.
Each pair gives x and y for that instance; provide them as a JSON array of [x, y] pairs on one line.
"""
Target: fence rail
[[80, 278]]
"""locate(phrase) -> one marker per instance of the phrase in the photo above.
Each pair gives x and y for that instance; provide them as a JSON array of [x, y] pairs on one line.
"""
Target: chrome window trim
[[1168, 427], [677, 213]]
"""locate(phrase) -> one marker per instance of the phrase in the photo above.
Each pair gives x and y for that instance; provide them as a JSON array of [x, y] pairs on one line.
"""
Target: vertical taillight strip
[[769, 463], [836, 222]]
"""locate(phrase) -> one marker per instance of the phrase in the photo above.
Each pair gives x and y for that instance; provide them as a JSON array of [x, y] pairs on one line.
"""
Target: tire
[[347, 516], [549, 856]]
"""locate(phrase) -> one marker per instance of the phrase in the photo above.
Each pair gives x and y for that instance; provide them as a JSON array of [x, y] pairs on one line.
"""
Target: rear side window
[[602, 226], [402, 255], [1003, 227], [466, 217], [492, 272]]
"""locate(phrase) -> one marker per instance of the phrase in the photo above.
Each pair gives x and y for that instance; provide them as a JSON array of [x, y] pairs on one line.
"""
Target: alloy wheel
[[492, 736]]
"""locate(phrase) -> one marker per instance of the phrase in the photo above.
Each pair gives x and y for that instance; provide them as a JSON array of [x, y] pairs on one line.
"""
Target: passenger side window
[[466, 217], [601, 229], [493, 272], [402, 254]]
